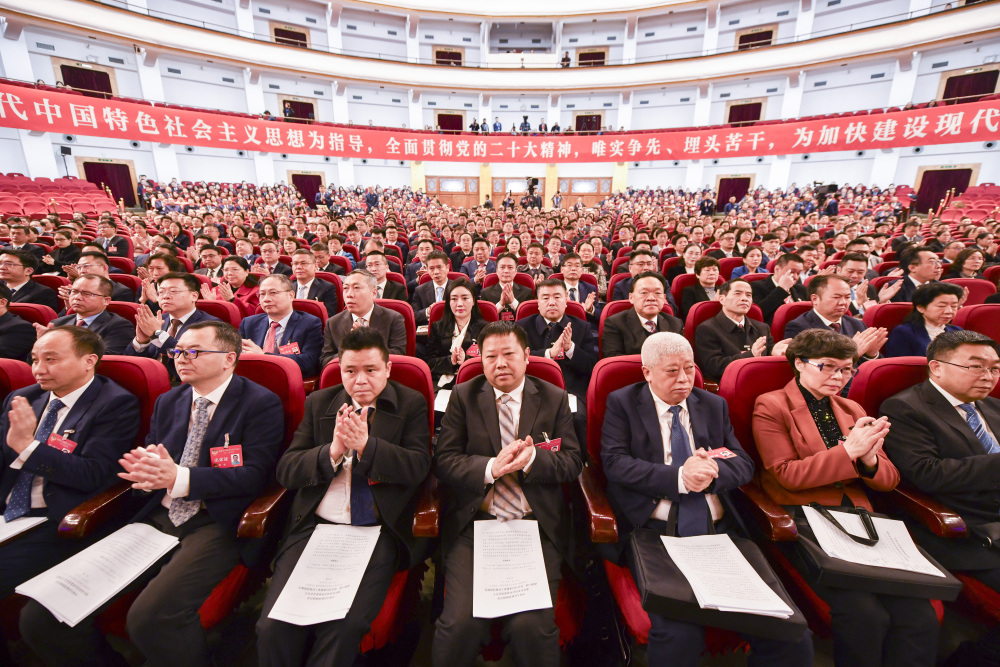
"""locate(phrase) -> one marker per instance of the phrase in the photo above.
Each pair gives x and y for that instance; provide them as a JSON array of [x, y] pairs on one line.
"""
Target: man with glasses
[[156, 333], [307, 286], [281, 330], [211, 262], [360, 310], [89, 298], [831, 298], [189, 496], [639, 261], [96, 263], [377, 265], [270, 260], [943, 440], [921, 265], [16, 269], [110, 241], [433, 290]]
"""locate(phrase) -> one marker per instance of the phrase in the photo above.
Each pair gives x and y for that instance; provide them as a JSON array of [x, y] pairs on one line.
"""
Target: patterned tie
[[181, 510], [175, 324], [360, 322], [572, 294], [439, 294], [20, 494], [303, 292], [979, 428], [362, 500], [692, 511], [508, 499], [835, 326], [270, 340], [650, 326], [379, 293], [80, 322]]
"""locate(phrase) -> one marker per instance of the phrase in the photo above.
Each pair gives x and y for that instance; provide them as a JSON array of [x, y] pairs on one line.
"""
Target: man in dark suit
[[624, 239], [270, 260], [360, 310], [462, 252], [534, 266], [356, 470], [707, 271], [655, 444], [481, 264], [770, 293], [96, 263], [377, 265], [506, 294], [210, 263], [89, 298], [727, 246], [19, 241], [413, 271], [281, 330], [426, 295], [113, 245], [578, 290], [16, 335], [910, 235], [921, 265], [831, 297], [625, 332], [731, 335], [489, 467], [943, 440], [639, 261], [307, 286], [16, 269], [177, 294], [60, 440], [189, 498], [322, 254]]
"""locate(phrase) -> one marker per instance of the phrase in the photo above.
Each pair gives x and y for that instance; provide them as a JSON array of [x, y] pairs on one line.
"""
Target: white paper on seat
[[78, 586], [326, 578], [441, 400], [722, 578], [572, 402], [895, 548], [508, 575], [18, 526]]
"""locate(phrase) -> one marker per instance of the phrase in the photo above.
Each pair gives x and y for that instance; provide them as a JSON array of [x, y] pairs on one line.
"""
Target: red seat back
[[786, 313], [126, 309], [729, 264], [742, 382], [983, 317], [706, 310], [33, 312], [52, 281], [539, 367], [409, 321], [396, 278], [530, 307], [613, 308], [14, 374], [335, 279], [284, 378], [134, 283], [124, 264], [342, 262], [407, 371], [223, 310], [880, 379], [142, 377], [888, 315], [979, 289], [613, 281]]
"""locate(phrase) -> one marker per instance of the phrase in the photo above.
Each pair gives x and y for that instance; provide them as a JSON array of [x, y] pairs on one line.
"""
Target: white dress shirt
[[303, 289], [182, 484], [69, 400], [336, 503], [367, 317], [663, 414]]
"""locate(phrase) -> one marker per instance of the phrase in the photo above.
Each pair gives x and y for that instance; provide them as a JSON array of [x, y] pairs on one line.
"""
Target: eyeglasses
[[191, 355], [80, 292], [10, 265], [86, 266], [174, 292], [978, 370], [831, 370], [273, 292]]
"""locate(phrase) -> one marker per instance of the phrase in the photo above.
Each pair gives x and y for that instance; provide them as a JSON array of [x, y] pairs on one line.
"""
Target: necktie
[[181, 510], [362, 500], [302, 293], [360, 322], [80, 322], [572, 294], [439, 294], [270, 340], [979, 428], [20, 494], [379, 293], [507, 496], [835, 326], [175, 324], [650, 326], [692, 511]]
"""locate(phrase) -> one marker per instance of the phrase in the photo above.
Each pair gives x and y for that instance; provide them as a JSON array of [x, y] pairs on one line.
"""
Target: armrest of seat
[[936, 517], [263, 512], [87, 517], [427, 518], [770, 517], [603, 526]]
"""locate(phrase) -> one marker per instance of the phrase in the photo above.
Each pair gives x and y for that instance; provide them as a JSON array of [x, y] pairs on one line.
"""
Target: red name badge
[[507, 316], [721, 453], [62, 443], [473, 351], [290, 348], [227, 457], [551, 445]]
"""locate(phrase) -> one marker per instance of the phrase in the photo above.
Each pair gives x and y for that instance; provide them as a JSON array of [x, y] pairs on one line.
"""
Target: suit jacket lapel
[[698, 428], [529, 409], [488, 410], [81, 406], [651, 422], [950, 415], [229, 402], [328, 422]]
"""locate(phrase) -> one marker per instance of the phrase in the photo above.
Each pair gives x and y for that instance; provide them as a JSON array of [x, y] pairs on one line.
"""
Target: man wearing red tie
[[270, 260]]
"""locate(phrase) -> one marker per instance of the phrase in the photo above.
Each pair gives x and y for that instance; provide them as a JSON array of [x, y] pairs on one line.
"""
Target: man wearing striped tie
[[507, 445], [943, 440]]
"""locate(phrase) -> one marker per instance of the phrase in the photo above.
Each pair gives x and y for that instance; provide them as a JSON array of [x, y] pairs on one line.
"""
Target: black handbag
[[837, 573], [665, 590]]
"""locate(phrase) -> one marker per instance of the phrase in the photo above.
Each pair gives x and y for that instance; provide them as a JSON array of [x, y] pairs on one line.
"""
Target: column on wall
[[804, 19], [920, 7], [625, 110], [40, 155], [418, 178], [884, 167], [486, 183], [412, 42], [619, 178], [415, 109], [791, 101], [694, 175], [779, 175], [254, 90], [14, 53], [904, 79], [334, 35], [150, 81], [164, 163], [552, 112], [345, 173], [341, 112], [551, 185], [263, 168], [244, 18], [703, 105], [629, 47], [711, 42], [485, 111]]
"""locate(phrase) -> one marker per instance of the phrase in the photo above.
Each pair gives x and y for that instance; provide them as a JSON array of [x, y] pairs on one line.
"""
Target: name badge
[[229, 456], [290, 348], [550, 444], [507, 316], [473, 351], [721, 453], [62, 443]]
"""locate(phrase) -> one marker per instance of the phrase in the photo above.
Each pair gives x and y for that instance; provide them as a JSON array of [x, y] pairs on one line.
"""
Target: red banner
[[48, 111]]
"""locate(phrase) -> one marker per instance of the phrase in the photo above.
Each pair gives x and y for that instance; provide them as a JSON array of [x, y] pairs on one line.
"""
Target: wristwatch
[[158, 333]]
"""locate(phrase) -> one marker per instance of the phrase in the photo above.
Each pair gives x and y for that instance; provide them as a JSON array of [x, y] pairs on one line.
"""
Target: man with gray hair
[[670, 457], [360, 310]]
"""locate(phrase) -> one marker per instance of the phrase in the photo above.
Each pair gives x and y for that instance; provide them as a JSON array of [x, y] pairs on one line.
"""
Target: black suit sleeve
[[117, 336], [397, 335], [613, 344]]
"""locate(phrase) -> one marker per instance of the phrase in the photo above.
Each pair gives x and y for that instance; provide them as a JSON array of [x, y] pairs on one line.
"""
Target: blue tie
[[979, 428], [20, 494], [362, 500], [692, 511]]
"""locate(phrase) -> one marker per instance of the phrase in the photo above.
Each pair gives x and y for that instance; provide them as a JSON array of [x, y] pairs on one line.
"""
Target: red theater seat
[[13, 376], [979, 289], [983, 317], [613, 308], [786, 313], [539, 367], [223, 310], [126, 309], [409, 321], [706, 310], [33, 312], [888, 315], [530, 307]]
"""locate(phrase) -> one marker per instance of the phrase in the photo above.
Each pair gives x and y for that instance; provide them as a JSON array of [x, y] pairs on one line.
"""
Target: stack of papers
[[326, 578], [77, 587], [508, 573], [722, 578], [895, 548], [18, 526]]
